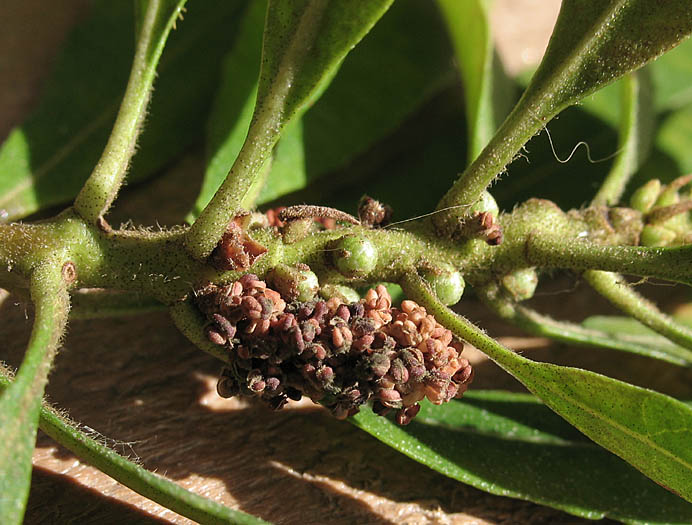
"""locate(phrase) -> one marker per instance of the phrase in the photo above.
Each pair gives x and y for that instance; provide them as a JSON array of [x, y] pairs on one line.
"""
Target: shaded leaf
[[512, 445], [380, 84], [402, 74], [46, 160], [233, 104], [635, 131], [481, 72], [154, 20], [671, 78]]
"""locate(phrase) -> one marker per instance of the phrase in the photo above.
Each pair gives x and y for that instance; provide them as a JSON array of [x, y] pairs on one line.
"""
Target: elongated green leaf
[[482, 75], [304, 43], [20, 404], [630, 331], [512, 445], [148, 484], [647, 429], [593, 44], [46, 160]]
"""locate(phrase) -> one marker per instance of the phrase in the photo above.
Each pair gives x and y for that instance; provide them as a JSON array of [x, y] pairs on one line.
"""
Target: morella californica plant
[[274, 294]]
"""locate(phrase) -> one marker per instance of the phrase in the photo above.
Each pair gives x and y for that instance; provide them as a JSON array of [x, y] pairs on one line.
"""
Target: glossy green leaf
[[304, 44], [593, 44], [46, 160], [20, 404], [512, 445], [647, 429], [486, 88]]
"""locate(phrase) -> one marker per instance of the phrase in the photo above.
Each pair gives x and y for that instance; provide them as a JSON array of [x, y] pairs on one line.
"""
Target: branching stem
[[100, 190]]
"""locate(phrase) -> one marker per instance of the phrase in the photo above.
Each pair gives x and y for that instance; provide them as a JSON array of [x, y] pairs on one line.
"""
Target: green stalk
[[100, 190], [619, 292], [148, 484], [634, 138], [542, 325], [21, 402]]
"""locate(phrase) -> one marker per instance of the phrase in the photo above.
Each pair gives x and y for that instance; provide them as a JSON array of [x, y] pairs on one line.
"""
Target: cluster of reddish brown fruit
[[339, 355]]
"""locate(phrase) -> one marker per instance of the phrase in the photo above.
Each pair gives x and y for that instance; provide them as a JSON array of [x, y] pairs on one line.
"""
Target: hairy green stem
[[267, 124], [20, 403], [620, 293], [630, 147], [133, 476], [100, 190]]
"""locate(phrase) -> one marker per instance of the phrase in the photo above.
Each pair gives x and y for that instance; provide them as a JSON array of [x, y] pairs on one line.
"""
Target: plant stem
[[673, 264], [190, 323], [20, 403], [542, 325], [634, 138], [148, 484], [619, 292], [103, 184]]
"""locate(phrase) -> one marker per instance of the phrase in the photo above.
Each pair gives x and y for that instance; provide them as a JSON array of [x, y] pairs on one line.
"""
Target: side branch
[[103, 184]]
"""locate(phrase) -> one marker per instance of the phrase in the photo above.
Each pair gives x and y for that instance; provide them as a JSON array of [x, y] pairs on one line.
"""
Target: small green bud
[[294, 283], [521, 284], [668, 196], [354, 256], [644, 198], [655, 235], [446, 282], [486, 203], [345, 293]]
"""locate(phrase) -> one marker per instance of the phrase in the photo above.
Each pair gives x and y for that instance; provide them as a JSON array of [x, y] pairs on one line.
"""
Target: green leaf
[[233, 104], [481, 72], [671, 78], [647, 429], [593, 43], [304, 43], [20, 404], [512, 445], [353, 114], [46, 160]]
